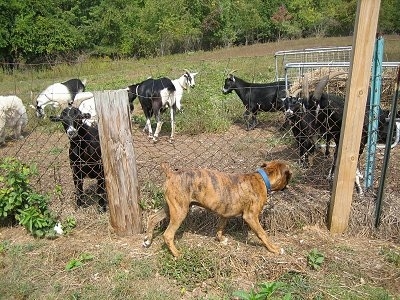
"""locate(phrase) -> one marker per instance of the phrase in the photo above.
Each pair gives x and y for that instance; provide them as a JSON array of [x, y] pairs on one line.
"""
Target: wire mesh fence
[[232, 150]]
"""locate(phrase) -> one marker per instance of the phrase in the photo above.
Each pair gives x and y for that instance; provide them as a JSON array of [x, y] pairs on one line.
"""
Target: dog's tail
[[166, 168]]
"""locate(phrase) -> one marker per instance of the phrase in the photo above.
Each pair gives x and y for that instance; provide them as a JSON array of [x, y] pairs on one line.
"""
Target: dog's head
[[279, 174]]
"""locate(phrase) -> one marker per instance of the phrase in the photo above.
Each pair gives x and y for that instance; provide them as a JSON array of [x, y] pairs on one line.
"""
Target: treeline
[[36, 31]]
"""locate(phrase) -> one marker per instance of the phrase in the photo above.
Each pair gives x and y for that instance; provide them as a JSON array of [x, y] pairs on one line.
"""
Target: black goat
[[256, 96], [326, 111], [155, 95], [302, 122], [84, 152]]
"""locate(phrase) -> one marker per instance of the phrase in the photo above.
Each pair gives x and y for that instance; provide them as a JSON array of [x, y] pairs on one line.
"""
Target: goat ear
[[55, 118]]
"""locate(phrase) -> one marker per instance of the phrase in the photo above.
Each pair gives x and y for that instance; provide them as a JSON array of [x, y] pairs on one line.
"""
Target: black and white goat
[[59, 95], [155, 95], [256, 96], [84, 152], [12, 115]]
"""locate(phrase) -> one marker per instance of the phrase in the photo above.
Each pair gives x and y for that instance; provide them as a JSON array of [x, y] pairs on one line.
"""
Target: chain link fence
[[231, 150]]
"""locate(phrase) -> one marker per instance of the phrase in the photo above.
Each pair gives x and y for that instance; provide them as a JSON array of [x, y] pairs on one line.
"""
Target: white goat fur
[[56, 95], [182, 83], [12, 115], [85, 103]]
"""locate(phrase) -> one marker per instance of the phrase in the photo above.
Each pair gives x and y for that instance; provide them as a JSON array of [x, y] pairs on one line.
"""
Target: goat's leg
[[158, 128], [101, 191], [173, 110], [357, 182], [246, 117], [148, 128], [78, 183], [253, 120], [17, 131]]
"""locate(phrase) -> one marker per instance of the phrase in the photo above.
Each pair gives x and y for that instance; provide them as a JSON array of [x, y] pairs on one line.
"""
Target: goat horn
[[320, 87], [297, 92], [231, 72], [323, 82]]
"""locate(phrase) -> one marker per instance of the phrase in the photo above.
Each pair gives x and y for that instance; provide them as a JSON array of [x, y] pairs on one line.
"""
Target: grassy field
[[92, 262]]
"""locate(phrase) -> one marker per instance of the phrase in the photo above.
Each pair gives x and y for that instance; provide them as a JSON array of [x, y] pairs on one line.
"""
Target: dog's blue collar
[[265, 178]]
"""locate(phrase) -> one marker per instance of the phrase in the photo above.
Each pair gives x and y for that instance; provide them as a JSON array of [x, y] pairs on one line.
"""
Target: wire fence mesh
[[232, 150]]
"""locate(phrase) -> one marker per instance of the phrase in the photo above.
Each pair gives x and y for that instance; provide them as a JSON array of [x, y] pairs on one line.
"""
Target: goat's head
[[71, 118], [293, 103], [230, 83], [189, 79]]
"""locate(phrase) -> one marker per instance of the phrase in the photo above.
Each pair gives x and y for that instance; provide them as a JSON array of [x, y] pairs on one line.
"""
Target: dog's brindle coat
[[228, 195]]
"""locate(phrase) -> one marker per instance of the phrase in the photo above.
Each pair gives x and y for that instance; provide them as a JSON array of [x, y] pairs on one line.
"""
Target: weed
[[315, 259], [19, 202], [265, 290], [68, 224], [78, 262]]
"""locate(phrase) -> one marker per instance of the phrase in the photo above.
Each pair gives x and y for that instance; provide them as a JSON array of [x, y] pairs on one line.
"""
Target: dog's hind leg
[[151, 223], [220, 228], [255, 225], [176, 214]]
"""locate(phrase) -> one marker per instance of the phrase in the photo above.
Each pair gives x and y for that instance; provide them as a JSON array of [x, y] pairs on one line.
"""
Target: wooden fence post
[[119, 161], [353, 115]]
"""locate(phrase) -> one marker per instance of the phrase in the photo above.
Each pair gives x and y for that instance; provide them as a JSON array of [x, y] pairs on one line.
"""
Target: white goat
[[12, 115], [183, 83], [59, 94], [85, 102]]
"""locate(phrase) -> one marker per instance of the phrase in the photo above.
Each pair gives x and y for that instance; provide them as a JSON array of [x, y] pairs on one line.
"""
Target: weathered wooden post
[[353, 115], [119, 161]]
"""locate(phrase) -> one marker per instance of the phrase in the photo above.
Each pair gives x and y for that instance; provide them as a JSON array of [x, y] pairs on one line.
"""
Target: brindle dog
[[228, 195]]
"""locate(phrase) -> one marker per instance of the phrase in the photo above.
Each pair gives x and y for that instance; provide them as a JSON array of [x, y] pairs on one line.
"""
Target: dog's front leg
[[255, 225], [220, 228]]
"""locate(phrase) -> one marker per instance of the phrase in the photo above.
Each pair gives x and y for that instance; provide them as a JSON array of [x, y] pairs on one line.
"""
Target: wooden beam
[[353, 116], [119, 161]]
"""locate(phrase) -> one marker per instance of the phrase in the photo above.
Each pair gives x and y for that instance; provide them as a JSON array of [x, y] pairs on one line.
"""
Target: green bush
[[19, 202]]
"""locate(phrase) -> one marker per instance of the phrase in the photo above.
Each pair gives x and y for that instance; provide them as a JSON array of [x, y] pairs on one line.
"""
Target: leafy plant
[[19, 202], [68, 224], [315, 259], [78, 262], [265, 291]]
